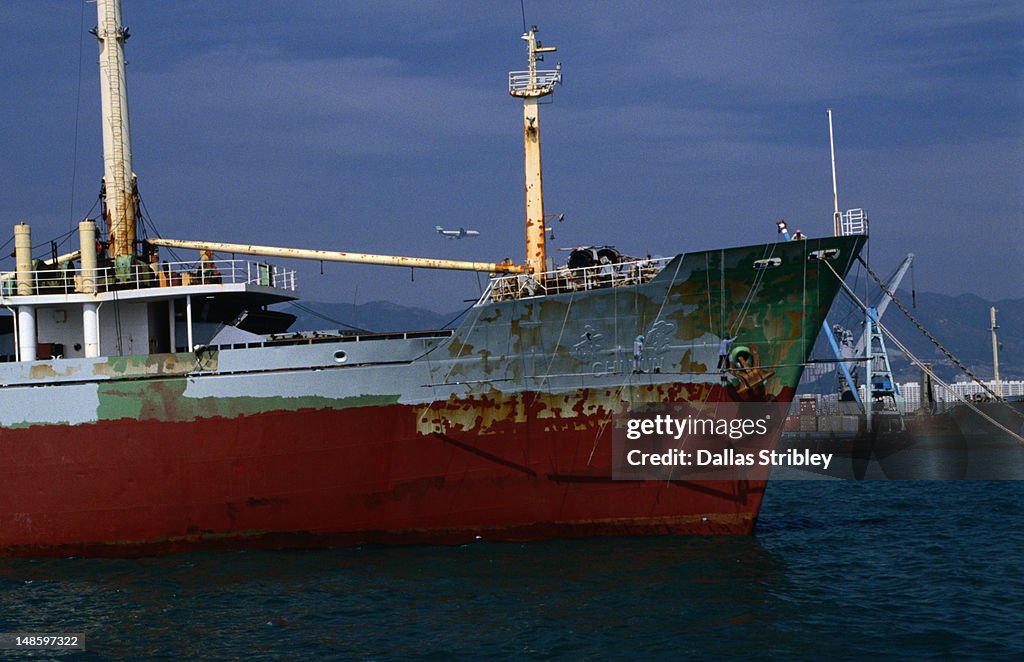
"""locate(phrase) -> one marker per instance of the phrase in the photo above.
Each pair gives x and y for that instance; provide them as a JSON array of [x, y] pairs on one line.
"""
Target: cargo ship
[[149, 407]]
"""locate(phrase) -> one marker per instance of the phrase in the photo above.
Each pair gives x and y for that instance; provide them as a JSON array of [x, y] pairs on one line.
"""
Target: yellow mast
[[531, 85]]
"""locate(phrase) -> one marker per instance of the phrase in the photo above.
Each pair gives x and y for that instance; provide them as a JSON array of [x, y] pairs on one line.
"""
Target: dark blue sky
[[681, 126]]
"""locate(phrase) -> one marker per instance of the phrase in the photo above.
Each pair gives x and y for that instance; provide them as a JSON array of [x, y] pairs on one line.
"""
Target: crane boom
[[892, 286], [340, 256]]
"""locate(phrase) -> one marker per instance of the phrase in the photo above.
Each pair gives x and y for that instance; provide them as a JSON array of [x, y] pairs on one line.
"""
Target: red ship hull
[[332, 477]]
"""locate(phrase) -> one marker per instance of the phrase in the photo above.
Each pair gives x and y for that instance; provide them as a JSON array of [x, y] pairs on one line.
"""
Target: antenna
[[995, 354], [835, 192]]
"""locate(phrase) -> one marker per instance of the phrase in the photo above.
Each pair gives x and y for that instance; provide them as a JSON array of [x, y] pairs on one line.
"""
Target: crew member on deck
[[208, 271], [638, 352], [723, 353]]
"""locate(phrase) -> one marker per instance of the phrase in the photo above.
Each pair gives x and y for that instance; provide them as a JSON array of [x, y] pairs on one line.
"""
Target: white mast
[[531, 85], [995, 354], [117, 144], [835, 190]]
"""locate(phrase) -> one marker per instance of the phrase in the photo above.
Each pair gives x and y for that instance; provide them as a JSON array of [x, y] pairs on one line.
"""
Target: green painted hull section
[[563, 346]]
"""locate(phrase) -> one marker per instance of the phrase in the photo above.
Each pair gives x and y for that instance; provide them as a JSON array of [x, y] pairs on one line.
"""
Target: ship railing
[[853, 221], [581, 279], [163, 274], [520, 81], [323, 337]]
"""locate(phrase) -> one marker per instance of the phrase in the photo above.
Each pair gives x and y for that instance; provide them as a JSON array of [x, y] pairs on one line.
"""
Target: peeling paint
[[165, 401]]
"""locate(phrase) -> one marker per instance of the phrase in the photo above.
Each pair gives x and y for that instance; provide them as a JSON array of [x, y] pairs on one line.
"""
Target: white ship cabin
[[52, 311]]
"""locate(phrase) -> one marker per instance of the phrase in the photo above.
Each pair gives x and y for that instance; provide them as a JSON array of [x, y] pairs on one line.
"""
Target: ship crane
[[892, 286], [879, 384], [339, 256], [870, 348], [119, 182]]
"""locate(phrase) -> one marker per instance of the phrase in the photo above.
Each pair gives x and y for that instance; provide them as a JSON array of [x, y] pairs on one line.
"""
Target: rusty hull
[[500, 430]]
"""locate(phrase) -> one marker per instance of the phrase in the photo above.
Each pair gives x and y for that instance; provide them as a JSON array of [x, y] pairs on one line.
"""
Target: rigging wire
[[78, 107], [452, 320], [93, 208], [65, 240], [930, 337], [913, 288], [767, 253], [148, 218], [314, 313], [62, 239]]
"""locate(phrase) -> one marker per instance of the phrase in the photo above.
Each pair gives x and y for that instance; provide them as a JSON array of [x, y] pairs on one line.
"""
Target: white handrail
[[564, 279], [164, 274], [520, 80]]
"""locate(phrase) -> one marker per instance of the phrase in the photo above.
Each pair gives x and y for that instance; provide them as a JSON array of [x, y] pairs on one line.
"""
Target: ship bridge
[[63, 311]]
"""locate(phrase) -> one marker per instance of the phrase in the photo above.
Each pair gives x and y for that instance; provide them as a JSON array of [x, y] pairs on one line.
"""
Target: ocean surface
[[837, 569]]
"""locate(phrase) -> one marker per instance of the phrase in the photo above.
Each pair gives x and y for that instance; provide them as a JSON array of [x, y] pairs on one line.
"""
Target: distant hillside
[[960, 323], [375, 316]]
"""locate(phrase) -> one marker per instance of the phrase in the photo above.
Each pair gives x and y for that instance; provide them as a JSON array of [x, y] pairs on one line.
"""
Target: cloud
[[800, 51], [350, 106], [360, 124]]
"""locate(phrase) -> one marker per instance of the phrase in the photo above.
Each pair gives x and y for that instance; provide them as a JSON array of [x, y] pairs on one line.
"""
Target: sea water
[[836, 569]]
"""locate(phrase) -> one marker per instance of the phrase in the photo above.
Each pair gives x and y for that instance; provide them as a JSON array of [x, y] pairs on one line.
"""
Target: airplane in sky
[[456, 234]]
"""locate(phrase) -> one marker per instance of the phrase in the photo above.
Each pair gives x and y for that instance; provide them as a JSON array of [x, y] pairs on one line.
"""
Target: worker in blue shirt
[[723, 353], [638, 352]]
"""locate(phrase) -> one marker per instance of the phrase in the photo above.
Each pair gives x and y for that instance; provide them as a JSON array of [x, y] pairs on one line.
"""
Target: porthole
[[340, 356]]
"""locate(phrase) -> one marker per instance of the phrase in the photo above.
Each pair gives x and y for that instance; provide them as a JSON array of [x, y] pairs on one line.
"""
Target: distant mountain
[[375, 316], [960, 323]]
